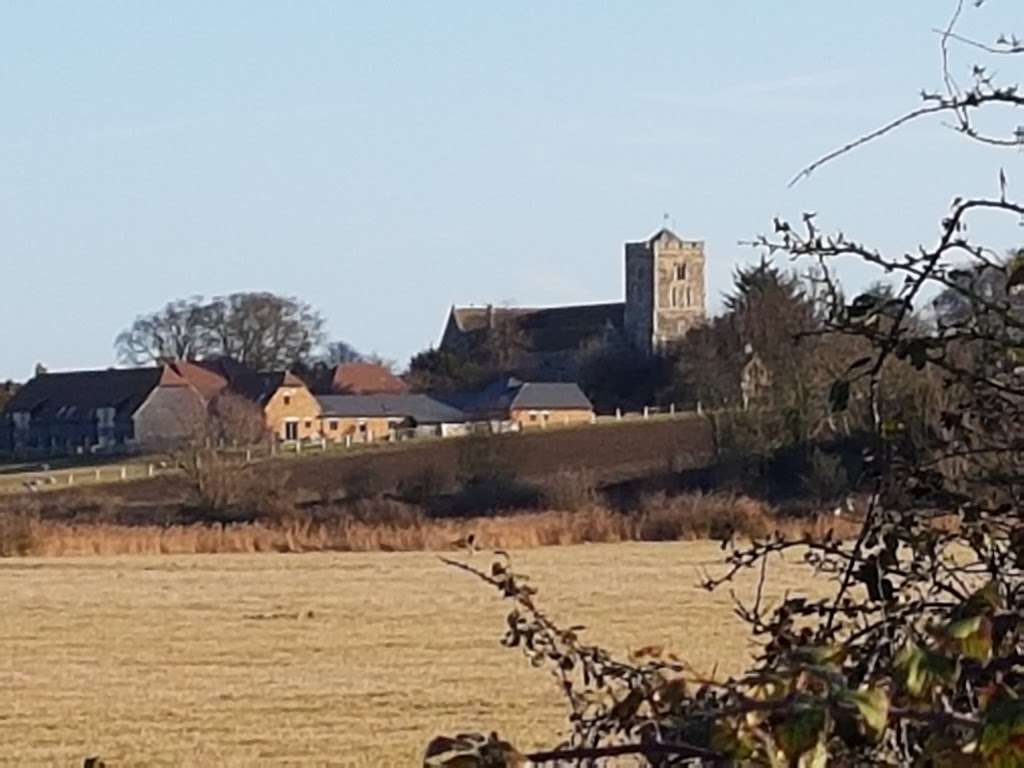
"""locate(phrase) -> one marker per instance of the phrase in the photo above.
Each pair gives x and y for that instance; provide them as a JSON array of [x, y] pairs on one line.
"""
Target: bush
[[826, 478], [422, 485], [363, 483], [699, 516], [499, 494], [383, 511], [19, 521], [570, 490]]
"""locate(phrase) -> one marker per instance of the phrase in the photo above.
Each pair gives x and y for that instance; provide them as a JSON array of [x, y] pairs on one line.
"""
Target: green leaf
[[923, 671], [1002, 737], [873, 706], [986, 598], [964, 628], [801, 730]]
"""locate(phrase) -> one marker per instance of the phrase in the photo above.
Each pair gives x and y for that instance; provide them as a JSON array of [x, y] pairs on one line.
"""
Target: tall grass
[[392, 526]]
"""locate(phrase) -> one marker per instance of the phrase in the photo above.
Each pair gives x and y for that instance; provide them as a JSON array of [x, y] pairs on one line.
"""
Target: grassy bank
[[383, 525]]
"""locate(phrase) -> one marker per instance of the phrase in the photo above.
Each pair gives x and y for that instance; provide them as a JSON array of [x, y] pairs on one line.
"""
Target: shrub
[[701, 516], [19, 520], [424, 484], [570, 490], [363, 483], [826, 478]]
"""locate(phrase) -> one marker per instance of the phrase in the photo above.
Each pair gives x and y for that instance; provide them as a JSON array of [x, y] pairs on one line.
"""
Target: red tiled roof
[[366, 379], [208, 382]]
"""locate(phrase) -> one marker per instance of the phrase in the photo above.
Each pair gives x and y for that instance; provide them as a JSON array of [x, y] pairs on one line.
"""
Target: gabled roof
[[365, 379], [205, 379], [422, 409], [547, 329], [260, 387], [551, 396], [78, 394], [511, 394]]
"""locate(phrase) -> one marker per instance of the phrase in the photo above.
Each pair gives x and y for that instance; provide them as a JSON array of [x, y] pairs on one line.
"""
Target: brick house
[[289, 408], [531, 404], [365, 418]]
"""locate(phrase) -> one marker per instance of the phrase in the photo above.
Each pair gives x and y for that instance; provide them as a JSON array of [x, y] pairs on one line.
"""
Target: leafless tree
[[261, 330]]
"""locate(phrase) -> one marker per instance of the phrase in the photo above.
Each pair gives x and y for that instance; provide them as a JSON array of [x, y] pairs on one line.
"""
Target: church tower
[[665, 290]]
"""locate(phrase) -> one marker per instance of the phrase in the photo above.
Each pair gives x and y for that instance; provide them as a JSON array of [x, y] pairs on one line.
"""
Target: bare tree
[[178, 331], [261, 330], [236, 420]]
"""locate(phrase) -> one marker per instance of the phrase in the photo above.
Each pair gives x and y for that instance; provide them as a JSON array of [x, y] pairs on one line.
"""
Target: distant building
[[666, 296], [530, 404], [83, 411], [365, 418], [356, 379]]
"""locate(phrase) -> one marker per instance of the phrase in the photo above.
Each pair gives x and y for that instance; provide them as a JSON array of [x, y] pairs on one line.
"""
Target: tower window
[[680, 271], [689, 298]]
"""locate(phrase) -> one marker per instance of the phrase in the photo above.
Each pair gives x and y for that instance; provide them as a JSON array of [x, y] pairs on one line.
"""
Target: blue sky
[[384, 160]]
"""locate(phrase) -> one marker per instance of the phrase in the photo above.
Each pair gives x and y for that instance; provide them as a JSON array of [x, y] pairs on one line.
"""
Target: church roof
[[548, 329]]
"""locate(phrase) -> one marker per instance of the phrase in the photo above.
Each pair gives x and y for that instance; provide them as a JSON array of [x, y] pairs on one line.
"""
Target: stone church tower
[[665, 290]]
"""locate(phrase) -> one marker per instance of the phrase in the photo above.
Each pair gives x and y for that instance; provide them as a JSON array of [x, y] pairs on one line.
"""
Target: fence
[[47, 479], [44, 478]]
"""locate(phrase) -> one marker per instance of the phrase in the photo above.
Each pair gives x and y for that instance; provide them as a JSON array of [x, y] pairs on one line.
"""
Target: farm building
[[365, 418], [531, 404], [83, 411]]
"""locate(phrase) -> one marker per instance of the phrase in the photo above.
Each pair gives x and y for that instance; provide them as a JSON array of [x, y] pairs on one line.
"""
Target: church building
[[665, 297]]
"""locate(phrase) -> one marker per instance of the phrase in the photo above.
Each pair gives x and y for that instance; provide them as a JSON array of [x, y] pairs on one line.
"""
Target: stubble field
[[320, 659]]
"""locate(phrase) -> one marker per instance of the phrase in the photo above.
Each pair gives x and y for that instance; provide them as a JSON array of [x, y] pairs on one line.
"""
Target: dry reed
[[401, 528]]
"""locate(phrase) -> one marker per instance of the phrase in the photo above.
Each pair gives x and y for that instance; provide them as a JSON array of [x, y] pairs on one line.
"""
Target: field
[[343, 659], [612, 451]]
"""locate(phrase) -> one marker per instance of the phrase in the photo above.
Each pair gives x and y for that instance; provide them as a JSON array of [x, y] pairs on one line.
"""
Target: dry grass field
[[344, 659]]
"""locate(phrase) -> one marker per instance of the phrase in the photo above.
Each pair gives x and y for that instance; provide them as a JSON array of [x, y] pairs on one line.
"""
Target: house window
[[291, 430], [309, 424], [680, 271], [105, 418], [689, 298], [333, 425], [21, 419], [533, 415], [287, 399]]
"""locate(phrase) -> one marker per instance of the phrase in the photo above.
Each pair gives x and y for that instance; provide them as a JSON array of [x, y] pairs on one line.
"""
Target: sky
[[385, 160]]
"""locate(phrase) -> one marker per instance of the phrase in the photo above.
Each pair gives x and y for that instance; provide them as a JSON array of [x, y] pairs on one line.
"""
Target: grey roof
[[546, 329], [78, 394], [422, 409], [509, 393], [551, 396]]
